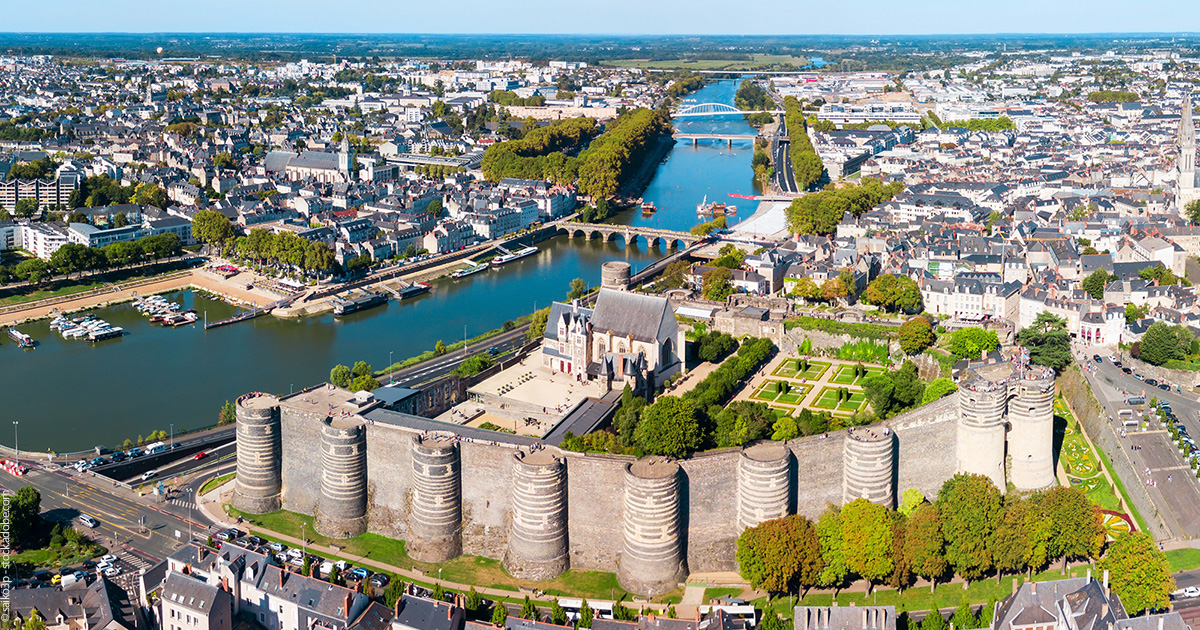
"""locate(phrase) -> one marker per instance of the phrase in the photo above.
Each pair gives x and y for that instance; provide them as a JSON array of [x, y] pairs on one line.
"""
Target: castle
[[449, 489]]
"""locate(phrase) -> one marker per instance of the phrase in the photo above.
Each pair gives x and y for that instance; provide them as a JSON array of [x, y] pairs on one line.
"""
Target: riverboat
[[111, 332], [507, 258], [715, 209], [368, 299], [648, 208], [468, 271], [21, 339], [414, 289]]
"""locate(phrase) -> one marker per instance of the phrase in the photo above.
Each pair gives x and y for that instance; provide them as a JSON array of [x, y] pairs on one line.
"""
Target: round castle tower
[[764, 484], [868, 465], [537, 542], [652, 561], [342, 505], [1031, 438], [981, 408], [258, 483], [435, 510], [615, 274]]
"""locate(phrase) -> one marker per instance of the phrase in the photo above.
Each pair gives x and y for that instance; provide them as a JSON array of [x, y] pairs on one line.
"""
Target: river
[[69, 395]]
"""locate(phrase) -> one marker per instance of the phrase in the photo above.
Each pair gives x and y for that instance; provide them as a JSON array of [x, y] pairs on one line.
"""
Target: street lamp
[[303, 542], [172, 435], [391, 372], [16, 445]]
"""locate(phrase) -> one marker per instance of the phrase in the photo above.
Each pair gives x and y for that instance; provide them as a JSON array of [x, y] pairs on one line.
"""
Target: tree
[[227, 415], [529, 610], [499, 615], [778, 554], [1138, 573], [894, 293], [1193, 212], [833, 549], [833, 290], [25, 208], [439, 348], [915, 334], [910, 501], [669, 427], [33, 270], [1134, 312], [585, 615], [971, 343], [1048, 341], [970, 509], [35, 620], [558, 616], [224, 160], [1076, 525], [474, 601], [1094, 284], [934, 621], [806, 289], [1010, 542], [25, 516], [212, 228], [340, 375], [361, 368], [335, 575], [578, 289], [364, 383], [926, 543], [150, 194], [1163, 342], [717, 284], [395, 590], [938, 388], [537, 324], [963, 617], [867, 536]]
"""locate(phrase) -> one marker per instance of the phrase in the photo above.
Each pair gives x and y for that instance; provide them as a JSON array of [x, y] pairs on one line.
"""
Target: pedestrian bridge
[[630, 234], [713, 109]]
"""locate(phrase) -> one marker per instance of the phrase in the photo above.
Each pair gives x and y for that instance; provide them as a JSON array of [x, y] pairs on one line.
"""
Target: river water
[[70, 395]]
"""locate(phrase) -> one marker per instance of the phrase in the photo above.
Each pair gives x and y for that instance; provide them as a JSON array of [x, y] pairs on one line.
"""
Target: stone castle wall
[[808, 473]]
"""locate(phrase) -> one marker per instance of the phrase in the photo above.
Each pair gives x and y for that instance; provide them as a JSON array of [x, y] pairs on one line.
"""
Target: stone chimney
[[349, 599]]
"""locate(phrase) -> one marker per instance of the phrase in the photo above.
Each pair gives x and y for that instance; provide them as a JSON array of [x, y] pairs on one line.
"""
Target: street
[[1170, 482], [443, 365]]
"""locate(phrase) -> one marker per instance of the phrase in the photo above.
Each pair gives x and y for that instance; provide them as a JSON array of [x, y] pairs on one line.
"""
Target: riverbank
[[636, 185]]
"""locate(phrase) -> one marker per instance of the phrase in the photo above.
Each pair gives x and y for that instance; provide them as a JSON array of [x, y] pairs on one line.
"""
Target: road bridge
[[727, 137], [696, 110], [652, 236]]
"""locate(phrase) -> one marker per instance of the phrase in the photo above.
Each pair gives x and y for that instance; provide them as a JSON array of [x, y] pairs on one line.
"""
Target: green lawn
[[25, 293], [475, 570], [774, 391], [828, 399], [1183, 559], [216, 482], [717, 593], [845, 374]]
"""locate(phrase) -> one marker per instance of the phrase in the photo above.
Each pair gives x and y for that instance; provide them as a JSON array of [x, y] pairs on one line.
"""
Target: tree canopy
[[1164, 342], [1048, 341], [1138, 573], [894, 293]]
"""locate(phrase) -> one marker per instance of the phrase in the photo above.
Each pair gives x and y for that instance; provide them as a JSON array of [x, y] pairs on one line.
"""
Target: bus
[[600, 610]]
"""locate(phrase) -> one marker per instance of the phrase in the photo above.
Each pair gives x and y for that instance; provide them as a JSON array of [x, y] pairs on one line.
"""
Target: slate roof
[[630, 314]]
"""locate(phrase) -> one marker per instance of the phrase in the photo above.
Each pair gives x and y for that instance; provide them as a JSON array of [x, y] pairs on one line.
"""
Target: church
[[320, 166], [1188, 187], [627, 338]]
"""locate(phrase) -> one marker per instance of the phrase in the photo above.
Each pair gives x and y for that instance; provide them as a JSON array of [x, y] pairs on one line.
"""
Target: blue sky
[[608, 16]]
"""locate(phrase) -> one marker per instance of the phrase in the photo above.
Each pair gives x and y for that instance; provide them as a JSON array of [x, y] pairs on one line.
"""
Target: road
[[436, 368], [785, 176], [1174, 488]]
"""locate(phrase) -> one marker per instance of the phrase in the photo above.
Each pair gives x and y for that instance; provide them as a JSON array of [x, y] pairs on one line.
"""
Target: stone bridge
[[652, 236]]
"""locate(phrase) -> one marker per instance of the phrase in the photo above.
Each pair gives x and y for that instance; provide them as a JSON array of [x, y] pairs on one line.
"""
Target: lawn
[[1183, 559], [845, 374], [474, 570], [790, 368], [828, 399], [59, 288], [781, 392], [216, 482]]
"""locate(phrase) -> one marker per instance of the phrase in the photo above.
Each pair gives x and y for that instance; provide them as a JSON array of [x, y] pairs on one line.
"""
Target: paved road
[[1175, 490], [443, 365], [785, 175]]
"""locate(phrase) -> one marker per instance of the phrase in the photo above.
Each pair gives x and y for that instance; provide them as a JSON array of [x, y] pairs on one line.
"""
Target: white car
[[109, 558], [1191, 591], [148, 475], [112, 572]]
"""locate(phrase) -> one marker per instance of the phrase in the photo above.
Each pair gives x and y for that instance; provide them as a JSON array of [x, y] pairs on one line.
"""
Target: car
[[119, 456], [222, 535], [380, 580], [1139, 376], [148, 475], [80, 575], [134, 453], [56, 579], [1164, 386], [1097, 359], [255, 540], [235, 532], [88, 521], [1127, 370], [112, 572], [295, 553], [88, 564], [109, 558], [1151, 381], [200, 455], [19, 583], [359, 574], [1191, 591], [277, 547], [99, 461], [493, 351]]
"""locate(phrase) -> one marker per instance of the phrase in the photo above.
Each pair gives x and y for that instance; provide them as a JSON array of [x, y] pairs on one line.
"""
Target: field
[[757, 62]]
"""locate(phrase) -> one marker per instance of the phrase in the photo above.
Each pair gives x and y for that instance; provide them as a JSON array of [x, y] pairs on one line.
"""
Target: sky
[[759, 17]]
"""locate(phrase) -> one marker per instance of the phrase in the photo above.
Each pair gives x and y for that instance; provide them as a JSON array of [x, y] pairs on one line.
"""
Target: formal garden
[[802, 368], [1085, 472], [840, 399]]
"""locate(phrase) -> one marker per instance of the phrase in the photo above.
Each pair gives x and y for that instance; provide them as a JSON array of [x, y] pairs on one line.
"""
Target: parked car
[[1191, 591], [380, 580], [1164, 386], [1139, 376], [99, 461], [112, 572], [119, 456], [255, 540], [276, 546], [1151, 381]]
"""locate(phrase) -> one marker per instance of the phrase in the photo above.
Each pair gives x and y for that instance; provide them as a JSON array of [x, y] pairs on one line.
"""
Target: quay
[[250, 314]]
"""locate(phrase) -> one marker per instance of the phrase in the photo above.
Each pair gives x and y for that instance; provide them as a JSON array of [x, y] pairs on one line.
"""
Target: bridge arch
[[703, 109]]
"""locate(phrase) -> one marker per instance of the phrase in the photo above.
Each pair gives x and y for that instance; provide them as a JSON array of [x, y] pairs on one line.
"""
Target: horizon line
[[602, 34]]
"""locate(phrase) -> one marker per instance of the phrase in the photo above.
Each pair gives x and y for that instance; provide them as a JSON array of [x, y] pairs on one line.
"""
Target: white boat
[[507, 258]]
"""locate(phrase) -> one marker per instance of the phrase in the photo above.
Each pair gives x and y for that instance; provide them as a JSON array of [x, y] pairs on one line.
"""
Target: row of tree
[[75, 258], [751, 96], [806, 164], [971, 531], [820, 213], [283, 249], [609, 159], [358, 378]]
